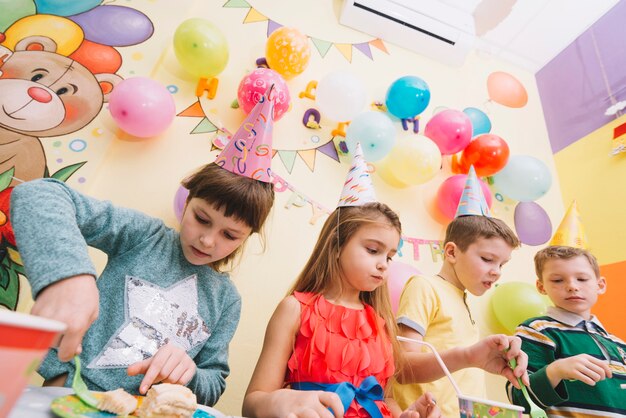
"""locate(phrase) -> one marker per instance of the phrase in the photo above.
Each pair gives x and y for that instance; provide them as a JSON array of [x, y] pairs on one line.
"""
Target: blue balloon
[[65, 7], [480, 121], [376, 133], [407, 97], [523, 178]]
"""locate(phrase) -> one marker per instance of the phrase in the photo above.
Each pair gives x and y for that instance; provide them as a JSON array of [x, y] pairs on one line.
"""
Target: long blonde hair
[[323, 266]]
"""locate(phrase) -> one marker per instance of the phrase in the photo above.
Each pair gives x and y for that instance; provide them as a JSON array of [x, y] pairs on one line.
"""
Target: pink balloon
[[142, 107], [255, 84], [450, 129], [399, 274], [180, 199], [450, 191]]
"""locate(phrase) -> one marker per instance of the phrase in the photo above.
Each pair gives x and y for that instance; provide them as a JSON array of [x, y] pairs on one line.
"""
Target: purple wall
[[572, 87]]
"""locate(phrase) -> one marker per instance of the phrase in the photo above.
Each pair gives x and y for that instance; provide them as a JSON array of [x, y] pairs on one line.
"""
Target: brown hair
[[465, 230], [243, 198], [323, 265], [563, 252]]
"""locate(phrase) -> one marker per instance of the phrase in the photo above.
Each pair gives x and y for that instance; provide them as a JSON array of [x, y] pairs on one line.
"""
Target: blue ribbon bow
[[368, 392]]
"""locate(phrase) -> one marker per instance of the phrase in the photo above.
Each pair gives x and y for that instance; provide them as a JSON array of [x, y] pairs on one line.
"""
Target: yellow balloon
[[65, 33], [287, 52], [414, 159], [384, 171]]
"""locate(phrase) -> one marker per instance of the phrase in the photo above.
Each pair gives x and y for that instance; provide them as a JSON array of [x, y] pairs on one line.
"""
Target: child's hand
[[74, 301], [583, 367], [424, 407], [170, 364], [493, 353], [291, 403]]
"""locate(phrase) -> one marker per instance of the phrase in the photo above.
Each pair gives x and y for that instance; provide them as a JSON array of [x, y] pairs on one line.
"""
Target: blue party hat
[[472, 200]]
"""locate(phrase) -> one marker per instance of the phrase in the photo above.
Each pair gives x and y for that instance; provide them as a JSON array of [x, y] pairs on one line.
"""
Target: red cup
[[24, 341]]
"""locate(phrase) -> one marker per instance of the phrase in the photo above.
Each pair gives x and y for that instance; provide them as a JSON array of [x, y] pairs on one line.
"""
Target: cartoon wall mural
[[56, 73]]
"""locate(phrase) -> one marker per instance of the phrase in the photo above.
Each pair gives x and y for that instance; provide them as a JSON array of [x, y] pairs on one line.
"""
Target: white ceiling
[[529, 33]]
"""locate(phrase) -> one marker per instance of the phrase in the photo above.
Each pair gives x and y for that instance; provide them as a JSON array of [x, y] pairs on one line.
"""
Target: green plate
[[71, 407]]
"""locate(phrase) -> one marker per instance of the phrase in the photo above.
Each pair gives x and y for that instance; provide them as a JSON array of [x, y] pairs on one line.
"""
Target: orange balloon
[[287, 52], [505, 89]]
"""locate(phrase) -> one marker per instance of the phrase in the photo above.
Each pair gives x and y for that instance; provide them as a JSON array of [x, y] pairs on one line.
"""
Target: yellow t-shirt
[[437, 310]]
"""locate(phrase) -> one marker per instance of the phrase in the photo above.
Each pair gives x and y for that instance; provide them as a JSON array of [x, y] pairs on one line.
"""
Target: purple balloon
[[180, 199], [114, 25], [532, 223]]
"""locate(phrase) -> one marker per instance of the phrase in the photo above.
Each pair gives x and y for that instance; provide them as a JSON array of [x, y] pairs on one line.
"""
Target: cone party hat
[[571, 232], [358, 189], [472, 200], [249, 152]]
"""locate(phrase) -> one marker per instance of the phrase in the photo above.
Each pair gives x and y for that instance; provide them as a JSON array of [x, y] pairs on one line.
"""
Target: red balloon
[[488, 154], [98, 58]]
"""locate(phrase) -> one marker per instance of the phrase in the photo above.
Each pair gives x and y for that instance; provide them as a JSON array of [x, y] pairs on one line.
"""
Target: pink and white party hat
[[249, 152], [358, 189], [472, 200]]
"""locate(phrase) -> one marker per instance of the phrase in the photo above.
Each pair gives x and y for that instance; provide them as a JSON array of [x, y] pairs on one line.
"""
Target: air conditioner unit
[[428, 27]]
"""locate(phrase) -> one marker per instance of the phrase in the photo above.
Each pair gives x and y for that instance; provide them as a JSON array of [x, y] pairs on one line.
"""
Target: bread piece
[[117, 402], [168, 401]]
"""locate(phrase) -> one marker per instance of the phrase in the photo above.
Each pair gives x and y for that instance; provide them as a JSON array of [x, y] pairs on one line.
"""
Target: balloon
[[523, 178], [64, 7], [98, 58], [515, 302], [480, 121], [142, 107], [414, 160], [180, 200], [450, 129], [505, 89], [115, 25], [399, 273], [65, 33], [255, 84], [407, 97], [450, 191], [340, 96], [200, 47], [376, 133], [14, 10], [488, 154], [532, 223], [287, 52]]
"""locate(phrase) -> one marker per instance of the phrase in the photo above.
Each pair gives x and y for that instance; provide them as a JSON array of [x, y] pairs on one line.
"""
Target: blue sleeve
[[212, 361], [54, 224]]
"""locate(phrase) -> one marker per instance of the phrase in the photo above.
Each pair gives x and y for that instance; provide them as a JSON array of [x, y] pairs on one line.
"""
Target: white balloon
[[340, 96]]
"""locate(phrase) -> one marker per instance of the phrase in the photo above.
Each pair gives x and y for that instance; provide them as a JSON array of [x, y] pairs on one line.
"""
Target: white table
[[35, 403]]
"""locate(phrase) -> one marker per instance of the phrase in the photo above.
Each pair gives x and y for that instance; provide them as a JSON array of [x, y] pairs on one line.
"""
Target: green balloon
[[200, 47], [13, 10], [515, 302]]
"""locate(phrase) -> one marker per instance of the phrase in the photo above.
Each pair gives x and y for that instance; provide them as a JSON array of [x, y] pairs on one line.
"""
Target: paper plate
[[71, 407]]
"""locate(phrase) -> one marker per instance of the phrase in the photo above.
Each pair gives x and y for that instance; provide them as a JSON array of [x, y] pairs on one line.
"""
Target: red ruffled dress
[[336, 344]]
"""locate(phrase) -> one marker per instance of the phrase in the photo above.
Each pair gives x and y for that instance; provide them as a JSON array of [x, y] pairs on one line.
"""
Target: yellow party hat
[[571, 232]]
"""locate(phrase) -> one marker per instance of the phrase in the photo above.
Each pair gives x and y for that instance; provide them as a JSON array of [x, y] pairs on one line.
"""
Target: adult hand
[[424, 407], [583, 367], [170, 364], [74, 301], [493, 353]]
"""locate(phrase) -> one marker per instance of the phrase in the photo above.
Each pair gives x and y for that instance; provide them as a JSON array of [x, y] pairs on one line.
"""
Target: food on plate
[[168, 400], [117, 402]]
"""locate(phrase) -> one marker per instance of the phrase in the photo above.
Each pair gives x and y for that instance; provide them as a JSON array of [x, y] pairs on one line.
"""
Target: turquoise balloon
[[65, 7], [376, 133], [523, 178], [13, 10], [407, 97], [480, 121]]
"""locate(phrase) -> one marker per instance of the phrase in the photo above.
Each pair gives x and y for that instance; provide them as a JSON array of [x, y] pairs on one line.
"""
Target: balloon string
[[603, 71]]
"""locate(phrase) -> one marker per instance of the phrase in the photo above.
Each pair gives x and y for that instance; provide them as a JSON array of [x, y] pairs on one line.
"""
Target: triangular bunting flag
[[272, 26], [288, 158], [346, 50], [329, 150], [274, 153], [322, 46], [195, 110], [205, 126], [309, 158], [236, 4], [254, 16], [378, 43], [365, 49]]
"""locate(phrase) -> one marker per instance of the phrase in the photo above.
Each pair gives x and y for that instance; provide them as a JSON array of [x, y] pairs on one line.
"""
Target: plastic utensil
[[535, 411], [79, 386]]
